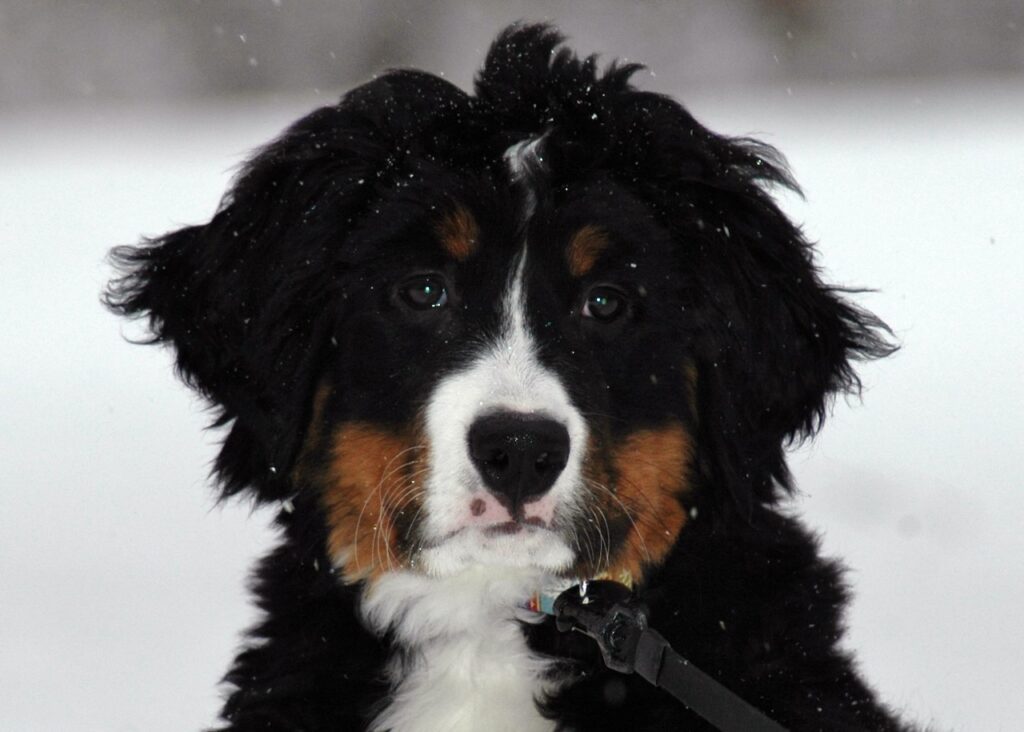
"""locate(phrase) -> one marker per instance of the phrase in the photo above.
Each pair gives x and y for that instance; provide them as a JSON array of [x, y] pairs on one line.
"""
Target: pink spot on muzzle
[[539, 512], [485, 510]]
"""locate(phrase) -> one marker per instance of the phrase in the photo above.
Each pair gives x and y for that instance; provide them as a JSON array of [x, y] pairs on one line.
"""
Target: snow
[[122, 586]]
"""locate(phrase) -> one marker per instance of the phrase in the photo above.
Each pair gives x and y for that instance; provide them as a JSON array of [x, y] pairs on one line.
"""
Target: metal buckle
[[607, 612]]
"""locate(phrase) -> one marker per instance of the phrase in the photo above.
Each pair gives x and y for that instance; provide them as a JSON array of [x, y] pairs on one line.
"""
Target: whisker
[[592, 557], [598, 556], [626, 511], [607, 536], [377, 490], [402, 487], [393, 498]]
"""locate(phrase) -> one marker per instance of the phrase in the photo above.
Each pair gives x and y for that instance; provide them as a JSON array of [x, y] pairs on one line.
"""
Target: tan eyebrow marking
[[584, 249], [458, 233]]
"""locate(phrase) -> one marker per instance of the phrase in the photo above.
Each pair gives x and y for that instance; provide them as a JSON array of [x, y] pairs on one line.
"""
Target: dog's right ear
[[244, 299], [249, 299]]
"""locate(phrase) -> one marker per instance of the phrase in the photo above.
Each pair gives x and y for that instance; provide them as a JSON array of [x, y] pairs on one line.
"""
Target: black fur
[[261, 302]]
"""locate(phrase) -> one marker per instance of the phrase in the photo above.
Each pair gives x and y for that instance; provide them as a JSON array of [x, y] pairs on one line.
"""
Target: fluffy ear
[[775, 342], [244, 299]]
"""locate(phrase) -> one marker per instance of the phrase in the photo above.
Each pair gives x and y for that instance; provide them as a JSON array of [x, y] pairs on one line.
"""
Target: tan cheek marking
[[371, 476], [585, 247], [653, 467], [458, 233]]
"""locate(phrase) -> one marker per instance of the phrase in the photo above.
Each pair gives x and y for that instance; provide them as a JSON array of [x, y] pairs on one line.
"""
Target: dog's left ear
[[774, 343], [244, 299]]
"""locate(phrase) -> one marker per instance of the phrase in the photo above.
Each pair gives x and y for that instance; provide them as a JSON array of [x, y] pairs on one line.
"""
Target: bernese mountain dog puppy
[[476, 345]]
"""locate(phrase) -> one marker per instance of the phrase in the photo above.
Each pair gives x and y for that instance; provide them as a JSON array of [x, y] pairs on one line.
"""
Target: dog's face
[[534, 327], [506, 385]]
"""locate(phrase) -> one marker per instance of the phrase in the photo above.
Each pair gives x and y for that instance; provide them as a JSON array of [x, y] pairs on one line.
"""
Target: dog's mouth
[[509, 528], [522, 542], [520, 525]]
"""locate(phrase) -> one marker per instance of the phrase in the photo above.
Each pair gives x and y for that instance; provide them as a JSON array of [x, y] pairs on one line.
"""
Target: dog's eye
[[604, 303], [425, 292]]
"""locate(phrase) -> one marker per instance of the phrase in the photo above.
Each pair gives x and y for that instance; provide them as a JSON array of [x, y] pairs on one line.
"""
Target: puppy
[[477, 345]]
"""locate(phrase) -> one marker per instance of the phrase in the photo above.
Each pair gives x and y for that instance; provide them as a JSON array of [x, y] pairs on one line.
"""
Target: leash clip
[[607, 612]]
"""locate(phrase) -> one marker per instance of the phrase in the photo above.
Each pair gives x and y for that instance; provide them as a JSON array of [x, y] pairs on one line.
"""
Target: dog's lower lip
[[514, 527], [509, 527]]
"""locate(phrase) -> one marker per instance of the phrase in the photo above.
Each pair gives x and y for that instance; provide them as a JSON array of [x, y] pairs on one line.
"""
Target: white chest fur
[[466, 664]]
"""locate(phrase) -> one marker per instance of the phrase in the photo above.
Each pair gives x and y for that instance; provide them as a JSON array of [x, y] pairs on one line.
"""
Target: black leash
[[607, 612]]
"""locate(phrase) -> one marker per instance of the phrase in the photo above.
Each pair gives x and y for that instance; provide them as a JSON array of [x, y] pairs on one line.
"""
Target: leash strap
[[607, 612], [666, 669]]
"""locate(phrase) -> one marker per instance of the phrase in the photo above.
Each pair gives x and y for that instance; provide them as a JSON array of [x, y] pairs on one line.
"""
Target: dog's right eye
[[424, 292]]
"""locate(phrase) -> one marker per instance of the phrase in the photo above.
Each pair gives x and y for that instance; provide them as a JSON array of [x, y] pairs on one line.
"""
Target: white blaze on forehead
[[506, 376], [525, 161], [517, 352]]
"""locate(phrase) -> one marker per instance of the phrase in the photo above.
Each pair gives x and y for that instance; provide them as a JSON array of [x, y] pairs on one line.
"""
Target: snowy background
[[122, 586]]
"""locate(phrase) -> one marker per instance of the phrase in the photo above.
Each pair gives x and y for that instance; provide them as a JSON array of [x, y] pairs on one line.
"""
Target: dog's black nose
[[519, 456]]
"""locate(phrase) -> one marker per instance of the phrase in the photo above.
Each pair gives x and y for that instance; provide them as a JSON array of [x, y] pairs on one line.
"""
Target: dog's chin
[[500, 546]]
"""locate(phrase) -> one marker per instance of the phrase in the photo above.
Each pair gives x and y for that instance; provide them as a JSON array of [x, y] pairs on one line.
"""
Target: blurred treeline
[[53, 50]]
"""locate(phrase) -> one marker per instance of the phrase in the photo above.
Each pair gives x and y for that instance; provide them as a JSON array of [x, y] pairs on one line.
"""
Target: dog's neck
[[461, 660]]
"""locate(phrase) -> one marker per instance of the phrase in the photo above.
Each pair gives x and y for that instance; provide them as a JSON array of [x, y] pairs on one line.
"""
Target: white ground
[[122, 587]]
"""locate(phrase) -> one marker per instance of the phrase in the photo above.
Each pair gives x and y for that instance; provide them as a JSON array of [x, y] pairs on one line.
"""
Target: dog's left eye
[[425, 292], [604, 303]]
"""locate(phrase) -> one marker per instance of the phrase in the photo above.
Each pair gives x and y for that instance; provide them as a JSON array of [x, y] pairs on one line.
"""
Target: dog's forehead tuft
[[525, 159]]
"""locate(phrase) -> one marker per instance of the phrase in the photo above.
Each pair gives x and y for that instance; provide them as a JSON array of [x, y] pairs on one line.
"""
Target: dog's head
[[533, 326]]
